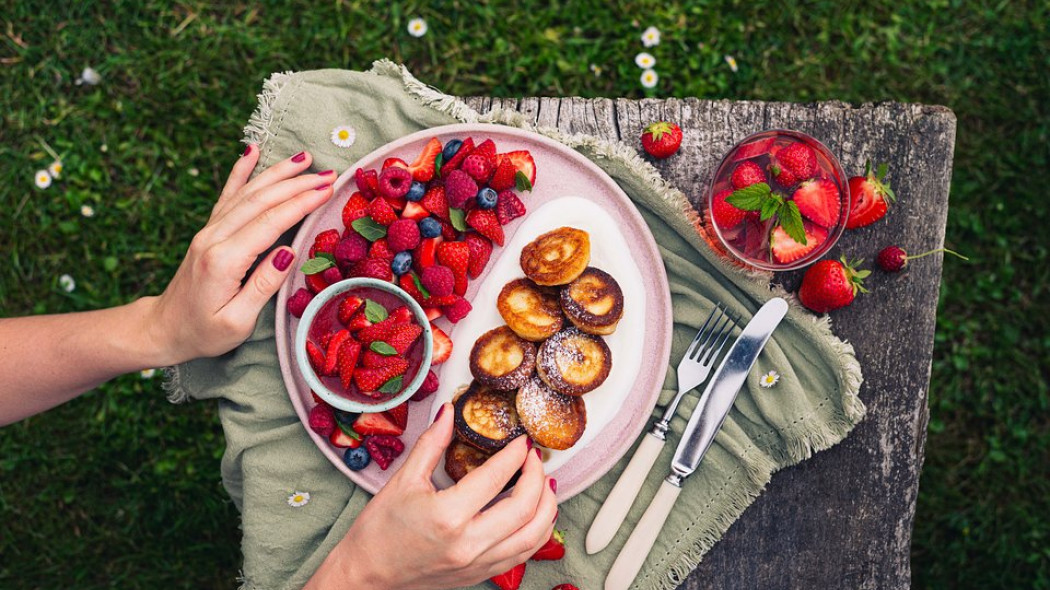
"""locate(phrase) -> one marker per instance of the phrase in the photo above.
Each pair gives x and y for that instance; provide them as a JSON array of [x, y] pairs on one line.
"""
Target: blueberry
[[416, 191], [344, 417], [402, 262], [357, 459], [451, 149], [487, 198], [429, 227]]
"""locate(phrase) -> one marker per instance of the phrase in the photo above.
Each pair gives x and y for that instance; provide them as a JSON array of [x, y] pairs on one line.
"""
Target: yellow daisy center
[[344, 134]]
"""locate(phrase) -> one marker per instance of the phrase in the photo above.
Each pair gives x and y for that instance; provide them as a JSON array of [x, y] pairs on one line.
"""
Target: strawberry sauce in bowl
[[778, 200], [363, 345]]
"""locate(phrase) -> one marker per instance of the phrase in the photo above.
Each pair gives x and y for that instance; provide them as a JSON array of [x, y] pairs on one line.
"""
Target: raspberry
[[458, 310], [394, 182], [350, 249], [325, 242], [509, 207], [477, 166], [402, 235], [298, 301], [332, 275], [375, 268], [438, 280], [459, 187], [322, 420], [384, 448], [429, 386]]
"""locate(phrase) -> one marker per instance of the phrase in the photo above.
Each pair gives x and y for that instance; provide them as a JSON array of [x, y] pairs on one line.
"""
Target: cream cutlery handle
[[637, 548], [616, 506]]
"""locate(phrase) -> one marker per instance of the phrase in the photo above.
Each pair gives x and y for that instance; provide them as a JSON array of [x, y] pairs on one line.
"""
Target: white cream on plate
[[609, 252]]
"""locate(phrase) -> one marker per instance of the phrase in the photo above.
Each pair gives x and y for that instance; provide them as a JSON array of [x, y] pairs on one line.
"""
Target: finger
[[481, 485], [263, 230], [527, 540], [244, 308], [429, 448], [517, 509], [239, 175], [283, 170], [238, 214]]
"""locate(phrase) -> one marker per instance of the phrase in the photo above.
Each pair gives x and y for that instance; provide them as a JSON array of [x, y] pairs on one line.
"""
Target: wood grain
[[842, 519]]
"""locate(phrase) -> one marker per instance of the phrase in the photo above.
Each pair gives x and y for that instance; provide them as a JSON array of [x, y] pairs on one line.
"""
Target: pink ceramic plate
[[561, 172]]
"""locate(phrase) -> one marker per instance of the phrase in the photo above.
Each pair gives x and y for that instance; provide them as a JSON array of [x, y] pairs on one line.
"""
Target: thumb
[[430, 447]]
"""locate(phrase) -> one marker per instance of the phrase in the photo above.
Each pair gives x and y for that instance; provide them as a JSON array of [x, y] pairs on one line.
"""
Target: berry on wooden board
[[831, 284], [661, 139], [869, 196], [894, 258]]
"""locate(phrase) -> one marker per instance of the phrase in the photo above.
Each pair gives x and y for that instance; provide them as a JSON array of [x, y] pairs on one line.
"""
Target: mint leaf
[[368, 228], [375, 312], [438, 161], [769, 209], [382, 348], [750, 198], [791, 221], [348, 430], [419, 285], [522, 182], [391, 386], [325, 255], [316, 265], [458, 219]]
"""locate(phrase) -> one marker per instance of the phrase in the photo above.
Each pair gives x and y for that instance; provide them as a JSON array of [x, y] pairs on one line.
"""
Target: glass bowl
[[321, 316], [762, 243]]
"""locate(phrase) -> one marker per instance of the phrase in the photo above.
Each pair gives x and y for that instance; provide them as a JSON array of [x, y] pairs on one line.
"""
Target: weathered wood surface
[[842, 519]]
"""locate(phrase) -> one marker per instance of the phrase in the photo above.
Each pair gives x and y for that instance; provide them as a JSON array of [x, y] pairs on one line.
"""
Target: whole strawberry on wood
[[662, 139], [870, 197], [831, 284]]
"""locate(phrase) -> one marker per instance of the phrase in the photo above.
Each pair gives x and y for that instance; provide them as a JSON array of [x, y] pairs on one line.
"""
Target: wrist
[[343, 569], [148, 335]]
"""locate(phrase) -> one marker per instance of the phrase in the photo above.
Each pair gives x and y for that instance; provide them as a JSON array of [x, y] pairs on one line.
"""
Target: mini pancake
[[556, 257], [593, 302], [461, 459], [533, 312], [553, 420], [486, 418], [574, 362], [502, 360]]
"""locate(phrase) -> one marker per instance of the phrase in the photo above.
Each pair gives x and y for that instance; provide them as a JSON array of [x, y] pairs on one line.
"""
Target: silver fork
[[693, 370]]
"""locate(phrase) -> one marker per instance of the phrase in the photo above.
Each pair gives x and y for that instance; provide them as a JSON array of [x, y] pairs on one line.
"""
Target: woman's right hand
[[412, 536]]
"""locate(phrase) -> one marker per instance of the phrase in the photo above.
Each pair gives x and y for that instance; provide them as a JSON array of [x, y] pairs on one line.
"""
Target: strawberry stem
[[952, 252]]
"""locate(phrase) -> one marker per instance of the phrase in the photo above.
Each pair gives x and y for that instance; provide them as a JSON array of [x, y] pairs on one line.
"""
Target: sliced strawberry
[[389, 162], [399, 415], [343, 440], [381, 212], [552, 550], [424, 254], [373, 379], [423, 168], [349, 352], [316, 282], [448, 232], [325, 242], [818, 200], [487, 224], [523, 162], [401, 314], [869, 197], [316, 356], [442, 345], [404, 336], [456, 256], [380, 250], [480, 250], [414, 211], [504, 176], [356, 206], [379, 331], [396, 203], [726, 216], [509, 207], [433, 313], [487, 150], [348, 307], [407, 283], [753, 149], [510, 579], [435, 201], [331, 359], [787, 250], [358, 322], [376, 423], [367, 182], [454, 162]]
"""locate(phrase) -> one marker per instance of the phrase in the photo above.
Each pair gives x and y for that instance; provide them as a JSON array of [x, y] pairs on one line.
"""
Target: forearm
[[48, 360]]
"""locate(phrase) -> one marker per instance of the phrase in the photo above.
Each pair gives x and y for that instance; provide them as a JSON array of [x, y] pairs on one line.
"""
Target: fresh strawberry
[[423, 168], [316, 356], [408, 283], [399, 415], [553, 549], [456, 256], [442, 345], [753, 149], [487, 224], [831, 284], [367, 182], [524, 163], [381, 212], [379, 331], [348, 307], [331, 357], [509, 207], [794, 163], [401, 315], [373, 379], [384, 449], [746, 174], [510, 579], [344, 440], [443, 300], [432, 313], [448, 232], [358, 322], [726, 216], [414, 211], [316, 282], [349, 352], [424, 256], [322, 419], [376, 423], [376, 268], [371, 359], [356, 206], [869, 197], [380, 250], [478, 167], [325, 242], [894, 258], [391, 162], [787, 250], [480, 250], [662, 139], [403, 337], [454, 162], [486, 150], [818, 201], [565, 587], [434, 201], [504, 176]]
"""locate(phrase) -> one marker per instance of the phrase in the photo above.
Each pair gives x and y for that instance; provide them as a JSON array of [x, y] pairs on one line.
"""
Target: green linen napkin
[[269, 454]]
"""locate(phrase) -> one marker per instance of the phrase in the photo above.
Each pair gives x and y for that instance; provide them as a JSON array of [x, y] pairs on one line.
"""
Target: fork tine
[[700, 333], [719, 339], [725, 338], [707, 335]]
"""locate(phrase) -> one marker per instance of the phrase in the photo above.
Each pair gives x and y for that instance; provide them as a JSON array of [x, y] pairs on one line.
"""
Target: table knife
[[711, 411]]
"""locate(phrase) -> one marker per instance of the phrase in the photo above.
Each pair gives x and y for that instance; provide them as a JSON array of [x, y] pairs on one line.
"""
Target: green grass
[[119, 488]]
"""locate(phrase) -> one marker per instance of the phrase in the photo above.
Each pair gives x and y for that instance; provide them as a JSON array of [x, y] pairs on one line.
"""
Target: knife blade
[[708, 416]]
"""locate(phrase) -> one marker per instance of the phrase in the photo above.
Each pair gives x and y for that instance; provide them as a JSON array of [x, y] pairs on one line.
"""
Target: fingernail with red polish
[[282, 259], [441, 410], [247, 151], [555, 517], [539, 455], [322, 187], [554, 485], [299, 157], [325, 173], [528, 443]]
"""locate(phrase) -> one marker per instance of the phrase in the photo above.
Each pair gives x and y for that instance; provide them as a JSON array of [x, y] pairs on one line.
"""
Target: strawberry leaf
[[316, 265], [750, 198], [374, 311], [391, 386], [522, 182], [382, 348], [791, 221], [369, 228], [457, 218]]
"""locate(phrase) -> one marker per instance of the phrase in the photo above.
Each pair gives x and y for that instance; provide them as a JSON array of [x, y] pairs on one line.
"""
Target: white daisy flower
[[344, 136], [650, 78], [87, 211], [90, 77], [42, 178], [417, 27], [645, 60], [597, 70], [732, 62], [769, 379], [194, 172], [651, 37], [55, 169], [67, 283], [298, 499], [103, 148], [147, 373]]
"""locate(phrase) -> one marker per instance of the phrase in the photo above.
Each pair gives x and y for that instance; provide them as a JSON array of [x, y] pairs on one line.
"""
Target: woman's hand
[[414, 537], [206, 310]]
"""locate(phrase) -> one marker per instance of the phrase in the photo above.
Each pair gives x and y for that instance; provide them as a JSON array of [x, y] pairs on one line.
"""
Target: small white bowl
[[335, 399]]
